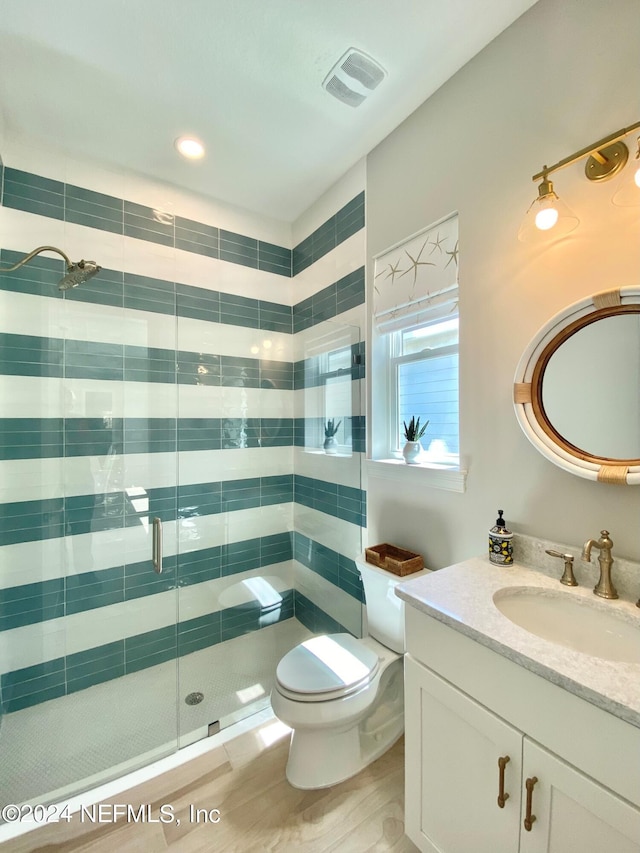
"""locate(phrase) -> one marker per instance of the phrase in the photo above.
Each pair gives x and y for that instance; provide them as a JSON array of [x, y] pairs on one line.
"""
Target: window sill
[[429, 474], [342, 452]]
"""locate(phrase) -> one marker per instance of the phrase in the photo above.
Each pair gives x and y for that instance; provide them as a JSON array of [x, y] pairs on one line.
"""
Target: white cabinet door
[[573, 813], [452, 774]]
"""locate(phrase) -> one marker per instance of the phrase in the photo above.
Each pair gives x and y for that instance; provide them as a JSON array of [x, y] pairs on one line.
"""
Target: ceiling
[[117, 81]]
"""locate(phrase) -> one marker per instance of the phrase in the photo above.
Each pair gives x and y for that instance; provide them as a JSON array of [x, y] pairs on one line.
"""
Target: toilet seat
[[324, 668]]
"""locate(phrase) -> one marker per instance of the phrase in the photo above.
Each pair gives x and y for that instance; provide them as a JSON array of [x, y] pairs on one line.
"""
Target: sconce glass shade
[[548, 217], [627, 192]]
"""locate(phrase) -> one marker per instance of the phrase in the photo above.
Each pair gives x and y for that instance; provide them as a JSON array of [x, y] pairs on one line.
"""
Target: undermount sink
[[576, 623]]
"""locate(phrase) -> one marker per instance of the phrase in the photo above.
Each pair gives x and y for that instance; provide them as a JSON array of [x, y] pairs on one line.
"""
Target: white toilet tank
[[385, 611]]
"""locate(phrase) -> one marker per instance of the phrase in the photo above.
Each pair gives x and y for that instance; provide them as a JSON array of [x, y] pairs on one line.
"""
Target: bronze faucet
[[604, 588]]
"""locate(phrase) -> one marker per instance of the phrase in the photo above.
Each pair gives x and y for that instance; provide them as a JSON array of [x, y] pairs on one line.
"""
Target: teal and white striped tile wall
[[105, 398], [46, 197]]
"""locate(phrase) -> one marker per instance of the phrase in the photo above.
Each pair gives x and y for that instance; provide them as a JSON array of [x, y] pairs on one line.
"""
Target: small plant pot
[[412, 452], [330, 445]]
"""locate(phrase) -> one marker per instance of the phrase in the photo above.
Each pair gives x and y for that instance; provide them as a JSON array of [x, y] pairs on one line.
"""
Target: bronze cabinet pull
[[502, 797], [529, 818]]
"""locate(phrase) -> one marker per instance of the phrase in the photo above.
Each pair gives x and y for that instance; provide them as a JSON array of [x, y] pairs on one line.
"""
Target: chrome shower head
[[78, 274]]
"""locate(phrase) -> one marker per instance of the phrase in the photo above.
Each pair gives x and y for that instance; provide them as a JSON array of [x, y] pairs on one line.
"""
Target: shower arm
[[35, 252]]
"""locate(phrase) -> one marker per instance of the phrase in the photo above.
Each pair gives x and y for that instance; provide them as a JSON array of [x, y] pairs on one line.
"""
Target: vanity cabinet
[[452, 777], [454, 740]]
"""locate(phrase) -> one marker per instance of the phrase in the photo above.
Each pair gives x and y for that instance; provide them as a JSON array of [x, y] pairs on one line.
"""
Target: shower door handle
[[156, 554]]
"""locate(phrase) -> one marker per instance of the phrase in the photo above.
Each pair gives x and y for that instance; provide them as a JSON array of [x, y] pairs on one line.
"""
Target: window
[[414, 351], [335, 374], [423, 382], [325, 377]]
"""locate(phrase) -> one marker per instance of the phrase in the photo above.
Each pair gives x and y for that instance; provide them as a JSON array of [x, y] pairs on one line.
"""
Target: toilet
[[342, 696]]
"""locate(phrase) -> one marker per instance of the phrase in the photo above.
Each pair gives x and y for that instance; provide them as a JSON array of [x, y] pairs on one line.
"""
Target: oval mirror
[[577, 388]]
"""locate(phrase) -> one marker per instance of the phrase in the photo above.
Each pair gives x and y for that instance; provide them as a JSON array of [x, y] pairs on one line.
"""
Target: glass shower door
[[252, 414], [88, 654], [235, 508], [330, 508]]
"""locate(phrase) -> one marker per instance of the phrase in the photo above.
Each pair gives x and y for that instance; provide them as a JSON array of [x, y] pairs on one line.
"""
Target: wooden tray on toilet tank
[[394, 559]]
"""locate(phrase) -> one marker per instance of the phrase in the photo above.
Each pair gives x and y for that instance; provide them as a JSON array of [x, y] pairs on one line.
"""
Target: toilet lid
[[330, 664]]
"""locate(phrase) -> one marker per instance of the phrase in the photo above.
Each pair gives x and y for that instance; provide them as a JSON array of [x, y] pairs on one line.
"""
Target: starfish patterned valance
[[417, 280]]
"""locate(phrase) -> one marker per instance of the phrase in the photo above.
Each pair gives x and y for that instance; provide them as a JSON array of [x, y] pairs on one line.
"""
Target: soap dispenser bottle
[[500, 542]]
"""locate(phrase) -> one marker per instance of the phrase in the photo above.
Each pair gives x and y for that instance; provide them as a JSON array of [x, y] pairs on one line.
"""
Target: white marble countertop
[[461, 596]]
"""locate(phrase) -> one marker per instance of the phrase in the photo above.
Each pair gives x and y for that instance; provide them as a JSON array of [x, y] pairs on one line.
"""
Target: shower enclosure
[[151, 511]]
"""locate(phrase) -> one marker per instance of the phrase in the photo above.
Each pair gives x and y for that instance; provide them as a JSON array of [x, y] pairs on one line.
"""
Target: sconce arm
[[596, 146]]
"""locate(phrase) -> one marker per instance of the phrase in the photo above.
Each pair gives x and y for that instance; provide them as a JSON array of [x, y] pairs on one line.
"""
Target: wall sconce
[[628, 193], [548, 214]]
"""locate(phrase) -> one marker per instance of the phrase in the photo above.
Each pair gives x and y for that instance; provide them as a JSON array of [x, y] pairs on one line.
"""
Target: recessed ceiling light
[[190, 147]]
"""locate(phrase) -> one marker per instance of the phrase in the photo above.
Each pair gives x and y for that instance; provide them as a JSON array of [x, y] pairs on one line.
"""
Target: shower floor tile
[[59, 748]]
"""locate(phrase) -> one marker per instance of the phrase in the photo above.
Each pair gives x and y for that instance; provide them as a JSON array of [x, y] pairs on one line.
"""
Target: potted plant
[[331, 428], [413, 432]]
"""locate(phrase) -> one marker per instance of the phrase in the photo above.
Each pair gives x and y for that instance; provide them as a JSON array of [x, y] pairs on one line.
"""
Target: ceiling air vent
[[354, 76]]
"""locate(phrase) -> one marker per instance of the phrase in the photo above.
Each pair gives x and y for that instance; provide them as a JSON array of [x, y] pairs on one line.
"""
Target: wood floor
[[258, 810]]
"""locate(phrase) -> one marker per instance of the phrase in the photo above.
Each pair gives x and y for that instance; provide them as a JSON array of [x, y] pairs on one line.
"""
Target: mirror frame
[[527, 388]]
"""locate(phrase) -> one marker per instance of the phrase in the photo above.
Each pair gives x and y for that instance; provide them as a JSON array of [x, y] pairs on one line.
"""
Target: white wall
[[562, 76]]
